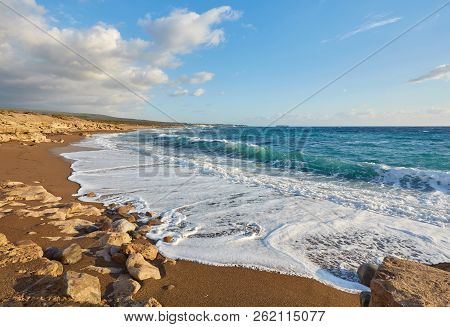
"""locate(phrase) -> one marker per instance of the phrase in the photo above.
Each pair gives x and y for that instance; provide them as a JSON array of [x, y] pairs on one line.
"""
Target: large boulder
[[115, 239], [82, 287], [142, 246], [123, 226], [47, 267], [407, 283], [69, 255], [141, 269], [125, 287]]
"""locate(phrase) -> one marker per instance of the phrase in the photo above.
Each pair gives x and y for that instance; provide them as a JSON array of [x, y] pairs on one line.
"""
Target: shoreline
[[195, 284]]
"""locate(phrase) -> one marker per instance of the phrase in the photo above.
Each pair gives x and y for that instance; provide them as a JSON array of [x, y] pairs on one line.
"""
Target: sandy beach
[[195, 284]]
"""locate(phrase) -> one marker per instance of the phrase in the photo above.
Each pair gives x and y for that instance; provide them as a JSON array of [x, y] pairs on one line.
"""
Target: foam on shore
[[304, 225]]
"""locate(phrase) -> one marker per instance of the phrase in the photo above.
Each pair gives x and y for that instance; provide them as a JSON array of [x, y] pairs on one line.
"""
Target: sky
[[234, 62]]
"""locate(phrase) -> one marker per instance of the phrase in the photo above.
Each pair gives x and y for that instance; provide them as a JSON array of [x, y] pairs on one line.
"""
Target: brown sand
[[195, 284]]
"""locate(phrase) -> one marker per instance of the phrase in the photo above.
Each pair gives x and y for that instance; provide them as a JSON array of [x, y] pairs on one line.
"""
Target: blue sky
[[268, 57]]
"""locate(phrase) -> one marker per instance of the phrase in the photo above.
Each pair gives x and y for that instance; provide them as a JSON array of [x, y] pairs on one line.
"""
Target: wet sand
[[195, 284]]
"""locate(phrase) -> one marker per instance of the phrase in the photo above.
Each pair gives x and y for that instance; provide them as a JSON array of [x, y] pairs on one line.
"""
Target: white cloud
[[374, 21], [179, 92], [196, 78], [441, 72], [371, 24], [198, 92], [37, 72], [201, 77], [182, 32]]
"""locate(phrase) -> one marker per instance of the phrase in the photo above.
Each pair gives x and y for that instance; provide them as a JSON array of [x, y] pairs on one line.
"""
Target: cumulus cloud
[[183, 31], [37, 72], [441, 72], [198, 92]]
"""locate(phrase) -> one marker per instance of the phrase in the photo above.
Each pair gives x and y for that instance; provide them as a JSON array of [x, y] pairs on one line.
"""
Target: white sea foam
[[225, 215]]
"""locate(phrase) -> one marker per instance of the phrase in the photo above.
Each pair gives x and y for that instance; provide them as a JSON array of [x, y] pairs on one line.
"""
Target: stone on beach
[[13, 191], [82, 287], [3, 239], [144, 229], [366, 272], [71, 226], [70, 255], [123, 226], [105, 224], [104, 270], [123, 210], [49, 268], [144, 247], [22, 251], [115, 239], [119, 258], [141, 269], [125, 287], [60, 211], [407, 283]]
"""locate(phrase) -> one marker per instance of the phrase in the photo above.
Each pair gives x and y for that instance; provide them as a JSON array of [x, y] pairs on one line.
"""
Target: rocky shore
[[114, 237], [57, 251]]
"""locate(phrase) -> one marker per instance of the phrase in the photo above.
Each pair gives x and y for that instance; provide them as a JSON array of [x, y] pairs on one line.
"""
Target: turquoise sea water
[[410, 157]]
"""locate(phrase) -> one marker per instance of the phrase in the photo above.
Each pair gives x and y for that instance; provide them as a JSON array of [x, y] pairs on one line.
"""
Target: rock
[[143, 247], [123, 226], [123, 210], [141, 269], [105, 224], [72, 226], [52, 253], [21, 192], [104, 270], [116, 239], [170, 261], [151, 214], [31, 233], [154, 222], [131, 219], [125, 287], [408, 283], [168, 239], [168, 287], [3, 239], [364, 299], [49, 268], [71, 254], [82, 287], [28, 250], [144, 229], [135, 235], [152, 302], [442, 265], [90, 195], [366, 272], [114, 249], [119, 258]]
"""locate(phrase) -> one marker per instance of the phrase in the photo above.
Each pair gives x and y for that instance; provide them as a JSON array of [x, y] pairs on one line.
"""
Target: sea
[[308, 201]]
